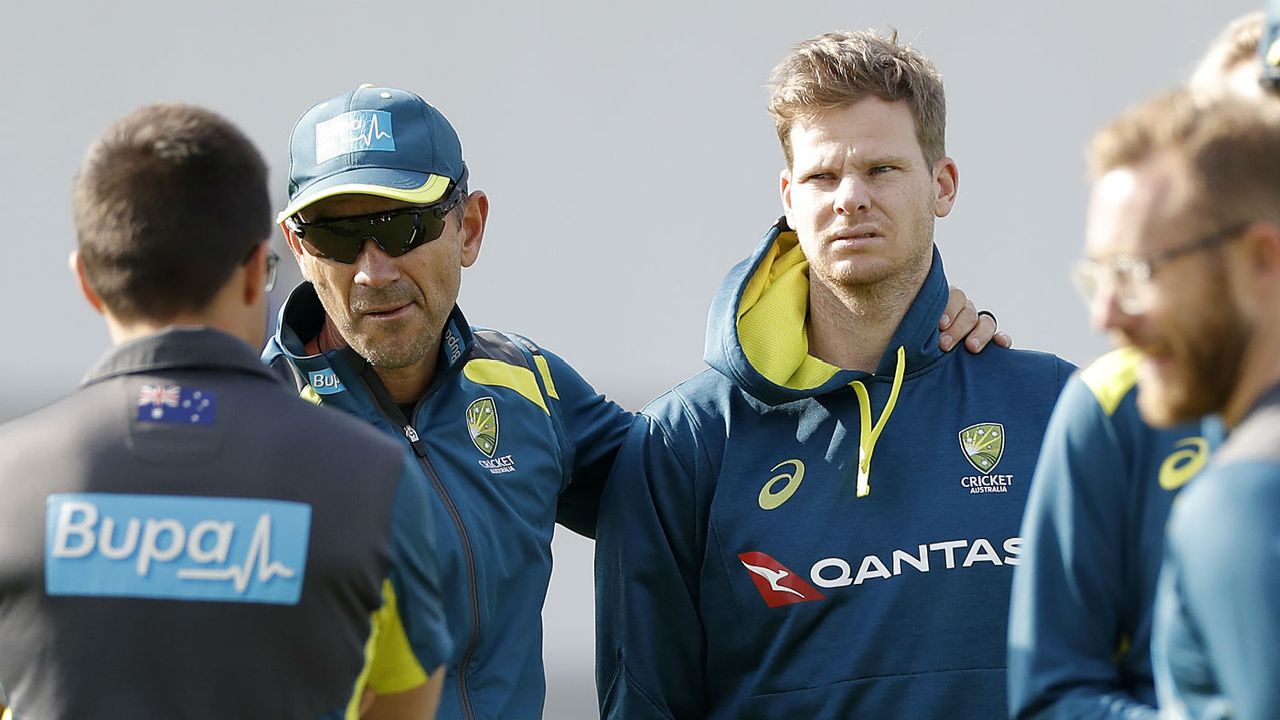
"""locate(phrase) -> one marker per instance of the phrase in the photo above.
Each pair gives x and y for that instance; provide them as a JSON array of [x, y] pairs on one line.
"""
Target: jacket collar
[[178, 348]]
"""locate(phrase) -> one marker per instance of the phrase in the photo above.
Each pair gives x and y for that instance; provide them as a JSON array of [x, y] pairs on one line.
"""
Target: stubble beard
[[897, 285], [395, 347], [1207, 367]]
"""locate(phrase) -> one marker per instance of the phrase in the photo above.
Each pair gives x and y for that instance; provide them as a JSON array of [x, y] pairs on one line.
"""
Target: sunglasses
[[395, 231]]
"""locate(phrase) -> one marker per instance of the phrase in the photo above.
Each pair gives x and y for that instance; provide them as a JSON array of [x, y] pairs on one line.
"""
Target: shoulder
[[1112, 378], [1033, 369], [699, 401], [1227, 509]]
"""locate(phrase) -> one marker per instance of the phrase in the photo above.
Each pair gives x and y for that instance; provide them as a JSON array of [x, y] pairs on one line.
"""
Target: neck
[[407, 384], [123, 332], [850, 327], [1259, 372]]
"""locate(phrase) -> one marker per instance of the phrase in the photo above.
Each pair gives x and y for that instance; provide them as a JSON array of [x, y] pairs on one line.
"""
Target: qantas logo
[[777, 585]]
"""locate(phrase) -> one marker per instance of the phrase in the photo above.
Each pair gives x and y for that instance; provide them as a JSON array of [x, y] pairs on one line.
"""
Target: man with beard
[[1083, 595], [508, 436], [1183, 239], [821, 525]]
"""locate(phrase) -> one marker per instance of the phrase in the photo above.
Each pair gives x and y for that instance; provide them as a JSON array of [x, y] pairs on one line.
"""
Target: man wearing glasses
[[165, 550], [1082, 607], [1179, 185], [507, 435]]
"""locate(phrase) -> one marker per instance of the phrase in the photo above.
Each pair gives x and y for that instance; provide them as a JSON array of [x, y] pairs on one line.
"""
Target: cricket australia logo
[[482, 425], [983, 446]]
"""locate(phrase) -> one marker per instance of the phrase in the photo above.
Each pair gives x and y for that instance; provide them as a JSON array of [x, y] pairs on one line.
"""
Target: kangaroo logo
[[777, 585]]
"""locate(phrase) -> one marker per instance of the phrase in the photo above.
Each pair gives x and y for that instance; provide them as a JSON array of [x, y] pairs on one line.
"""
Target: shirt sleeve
[[592, 429], [1223, 566], [650, 638], [1065, 625], [415, 577]]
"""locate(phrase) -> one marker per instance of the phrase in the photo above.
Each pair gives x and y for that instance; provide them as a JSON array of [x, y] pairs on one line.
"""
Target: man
[[1082, 607], [820, 525], [507, 435], [1184, 233], [181, 537], [504, 434]]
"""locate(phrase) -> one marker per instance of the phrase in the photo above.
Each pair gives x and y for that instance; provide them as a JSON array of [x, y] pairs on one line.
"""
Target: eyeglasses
[[1129, 277], [395, 231], [273, 261]]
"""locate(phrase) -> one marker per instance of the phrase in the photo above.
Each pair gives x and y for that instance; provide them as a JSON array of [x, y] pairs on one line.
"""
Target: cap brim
[[410, 187]]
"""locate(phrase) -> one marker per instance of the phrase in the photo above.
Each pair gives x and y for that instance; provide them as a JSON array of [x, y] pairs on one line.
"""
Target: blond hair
[[1226, 147], [1237, 43], [835, 70]]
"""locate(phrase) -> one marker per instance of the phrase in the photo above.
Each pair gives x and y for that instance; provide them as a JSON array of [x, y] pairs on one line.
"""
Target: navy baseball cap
[[372, 141]]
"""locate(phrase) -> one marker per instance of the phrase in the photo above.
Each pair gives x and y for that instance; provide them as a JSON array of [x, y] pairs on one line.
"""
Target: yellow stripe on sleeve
[[484, 371]]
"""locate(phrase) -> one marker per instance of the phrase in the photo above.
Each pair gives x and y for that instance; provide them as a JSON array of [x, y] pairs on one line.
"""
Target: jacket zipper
[[464, 698]]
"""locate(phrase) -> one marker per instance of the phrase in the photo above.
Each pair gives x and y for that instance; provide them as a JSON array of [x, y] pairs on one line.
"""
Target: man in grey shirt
[[183, 536]]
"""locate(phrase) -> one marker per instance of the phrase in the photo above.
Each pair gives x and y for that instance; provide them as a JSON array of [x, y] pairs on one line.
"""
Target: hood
[[756, 330]]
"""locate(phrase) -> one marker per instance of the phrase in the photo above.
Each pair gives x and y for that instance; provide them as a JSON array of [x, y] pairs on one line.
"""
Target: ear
[[474, 219], [255, 274], [295, 247], [76, 263], [784, 191], [946, 179]]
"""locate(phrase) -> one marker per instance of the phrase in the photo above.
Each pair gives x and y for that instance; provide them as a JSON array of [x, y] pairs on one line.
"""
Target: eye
[[881, 169], [818, 176]]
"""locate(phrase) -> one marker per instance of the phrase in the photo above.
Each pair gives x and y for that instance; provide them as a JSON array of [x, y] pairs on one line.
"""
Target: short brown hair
[[838, 69], [1237, 43], [168, 202], [1225, 144]]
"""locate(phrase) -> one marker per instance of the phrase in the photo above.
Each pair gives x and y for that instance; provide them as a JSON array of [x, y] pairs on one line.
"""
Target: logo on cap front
[[355, 131]]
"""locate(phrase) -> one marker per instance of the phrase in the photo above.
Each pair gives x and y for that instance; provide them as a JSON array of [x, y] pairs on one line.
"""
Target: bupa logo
[[185, 548], [325, 381], [777, 585], [355, 131]]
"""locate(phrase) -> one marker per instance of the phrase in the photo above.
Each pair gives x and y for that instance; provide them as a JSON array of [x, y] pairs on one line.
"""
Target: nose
[[1105, 313], [374, 267], [851, 196]]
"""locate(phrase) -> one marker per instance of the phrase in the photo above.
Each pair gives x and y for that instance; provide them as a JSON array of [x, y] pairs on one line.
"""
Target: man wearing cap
[[507, 435], [498, 428], [165, 550]]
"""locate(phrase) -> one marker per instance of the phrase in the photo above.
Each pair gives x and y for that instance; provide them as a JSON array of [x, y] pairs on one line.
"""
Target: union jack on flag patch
[[174, 405]]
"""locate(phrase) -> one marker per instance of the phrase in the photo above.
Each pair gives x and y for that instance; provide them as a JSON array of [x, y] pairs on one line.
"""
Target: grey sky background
[[625, 148]]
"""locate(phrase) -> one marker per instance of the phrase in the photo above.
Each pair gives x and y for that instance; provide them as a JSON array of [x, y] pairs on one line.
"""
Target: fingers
[[964, 324], [956, 300]]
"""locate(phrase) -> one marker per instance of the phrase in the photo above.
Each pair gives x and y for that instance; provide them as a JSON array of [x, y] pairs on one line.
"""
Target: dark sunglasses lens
[[397, 234], [336, 240]]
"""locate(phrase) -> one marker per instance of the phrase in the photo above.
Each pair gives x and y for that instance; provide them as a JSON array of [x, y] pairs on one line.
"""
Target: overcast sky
[[626, 152]]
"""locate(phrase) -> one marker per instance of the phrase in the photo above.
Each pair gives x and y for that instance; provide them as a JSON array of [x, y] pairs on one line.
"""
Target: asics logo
[[1187, 459], [776, 584], [782, 486]]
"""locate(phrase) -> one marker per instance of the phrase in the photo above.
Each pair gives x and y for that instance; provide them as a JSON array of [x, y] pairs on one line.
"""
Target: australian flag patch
[[176, 405]]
